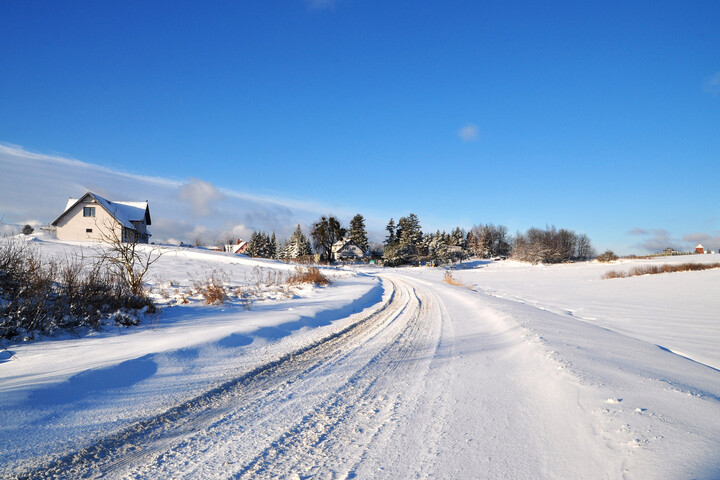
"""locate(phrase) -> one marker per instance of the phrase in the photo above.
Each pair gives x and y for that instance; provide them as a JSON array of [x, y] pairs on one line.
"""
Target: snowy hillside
[[518, 372]]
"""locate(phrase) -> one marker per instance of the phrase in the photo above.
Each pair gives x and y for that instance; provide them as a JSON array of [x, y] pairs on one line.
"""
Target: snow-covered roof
[[340, 244], [124, 212]]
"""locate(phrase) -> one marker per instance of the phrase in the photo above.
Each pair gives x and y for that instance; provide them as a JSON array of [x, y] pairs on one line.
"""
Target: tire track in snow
[[332, 439], [144, 439], [177, 442]]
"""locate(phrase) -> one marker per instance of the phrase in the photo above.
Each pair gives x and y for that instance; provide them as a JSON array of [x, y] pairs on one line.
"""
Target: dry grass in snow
[[655, 269], [454, 281], [263, 283]]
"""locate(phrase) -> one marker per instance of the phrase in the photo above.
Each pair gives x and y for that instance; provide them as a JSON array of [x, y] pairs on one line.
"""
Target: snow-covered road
[[435, 381]]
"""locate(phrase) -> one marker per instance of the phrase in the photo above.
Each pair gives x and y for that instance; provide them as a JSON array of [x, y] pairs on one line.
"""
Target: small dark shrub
[[608, 256]]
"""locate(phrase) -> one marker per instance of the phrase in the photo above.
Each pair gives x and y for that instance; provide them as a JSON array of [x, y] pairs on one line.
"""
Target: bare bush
[[665, 268], [683, 267], [452, 280], [39, 295], [308, 275], [608, 256], [125, 259], [614, 274], [244, 297], [212, 289]]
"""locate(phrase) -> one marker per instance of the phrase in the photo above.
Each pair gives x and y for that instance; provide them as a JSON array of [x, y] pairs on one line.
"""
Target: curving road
[[437, 381]]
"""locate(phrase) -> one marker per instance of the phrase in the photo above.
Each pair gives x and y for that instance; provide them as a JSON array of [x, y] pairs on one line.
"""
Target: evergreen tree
[[405, 243], [298, 245], [457, 237], [304, 247], [394, 255], [272, 246], [261, 245], [409, 230], [253, 249], [409, 234], [390, 228], [358, 234]]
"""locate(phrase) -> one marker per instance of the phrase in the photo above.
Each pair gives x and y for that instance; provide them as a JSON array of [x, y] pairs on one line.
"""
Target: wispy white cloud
[[709, 241], [469, 133], [712, 84], [201, 196], [658, 239], [37, 186]]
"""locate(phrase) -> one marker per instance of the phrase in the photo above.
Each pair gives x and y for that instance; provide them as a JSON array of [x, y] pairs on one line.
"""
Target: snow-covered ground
[[524, 372]]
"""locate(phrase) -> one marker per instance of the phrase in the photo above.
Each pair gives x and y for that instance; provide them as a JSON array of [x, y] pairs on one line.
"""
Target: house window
[[88, 230], [88, 211]]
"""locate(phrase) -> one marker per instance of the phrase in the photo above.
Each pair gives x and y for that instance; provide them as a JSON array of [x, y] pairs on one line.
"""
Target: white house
[[93, 218], [346, 250]]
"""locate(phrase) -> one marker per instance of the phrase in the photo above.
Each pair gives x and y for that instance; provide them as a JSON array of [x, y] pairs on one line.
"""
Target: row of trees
[[552, 246], [405, 243], [323, 234], [268, 246]]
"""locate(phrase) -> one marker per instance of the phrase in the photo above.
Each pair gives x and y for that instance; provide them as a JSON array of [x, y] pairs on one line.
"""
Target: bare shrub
[[665, 268], [608, 256], [212, 289], [129, 262], [39, 295], [452, 280], [244, 297], [308, 275], [614, 274]]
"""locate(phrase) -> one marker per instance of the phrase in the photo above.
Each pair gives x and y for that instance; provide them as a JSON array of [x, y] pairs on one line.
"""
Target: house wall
[[73, 226], [141, 227], [349, 251]]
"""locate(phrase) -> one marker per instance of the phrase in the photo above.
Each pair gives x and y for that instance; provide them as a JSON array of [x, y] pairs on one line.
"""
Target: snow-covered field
[[524, 372]]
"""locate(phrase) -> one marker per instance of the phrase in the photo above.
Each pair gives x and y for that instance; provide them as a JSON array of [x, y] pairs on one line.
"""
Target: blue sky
[[602, 117]]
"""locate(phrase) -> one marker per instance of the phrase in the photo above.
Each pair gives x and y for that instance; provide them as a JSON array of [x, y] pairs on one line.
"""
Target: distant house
[[346, 249], [699, 248], [93, 218], [239, 248]]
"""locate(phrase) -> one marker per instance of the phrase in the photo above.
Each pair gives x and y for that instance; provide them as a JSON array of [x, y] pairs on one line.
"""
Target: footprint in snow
[[614, 400]]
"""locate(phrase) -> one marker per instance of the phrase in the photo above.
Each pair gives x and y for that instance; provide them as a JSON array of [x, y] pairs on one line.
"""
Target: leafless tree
[[127, 259]]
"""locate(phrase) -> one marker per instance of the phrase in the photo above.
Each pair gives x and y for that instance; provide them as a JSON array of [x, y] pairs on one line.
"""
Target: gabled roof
[[124, 212], [340, 244]]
